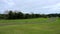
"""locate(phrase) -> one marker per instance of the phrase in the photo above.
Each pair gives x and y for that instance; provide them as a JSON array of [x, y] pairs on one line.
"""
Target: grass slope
[[30, 26]]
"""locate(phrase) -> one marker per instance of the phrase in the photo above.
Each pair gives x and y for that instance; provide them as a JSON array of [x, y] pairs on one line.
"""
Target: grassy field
[[30, 26]]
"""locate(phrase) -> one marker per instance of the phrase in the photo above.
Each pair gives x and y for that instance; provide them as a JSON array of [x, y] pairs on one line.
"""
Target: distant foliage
[[19, 15]]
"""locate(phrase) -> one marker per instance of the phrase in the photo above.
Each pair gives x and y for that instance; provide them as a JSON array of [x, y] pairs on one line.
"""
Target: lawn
[[30, 26]]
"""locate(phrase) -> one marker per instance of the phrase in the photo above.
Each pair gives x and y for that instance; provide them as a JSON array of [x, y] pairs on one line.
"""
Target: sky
[[31, 6]]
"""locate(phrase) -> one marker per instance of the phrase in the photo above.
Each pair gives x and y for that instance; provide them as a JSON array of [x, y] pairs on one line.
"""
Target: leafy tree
[[20, 15], [10, 15]]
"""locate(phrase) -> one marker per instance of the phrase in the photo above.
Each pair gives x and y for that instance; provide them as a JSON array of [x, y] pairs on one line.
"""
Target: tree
[[27, 16], [10, 15], [20, 15]]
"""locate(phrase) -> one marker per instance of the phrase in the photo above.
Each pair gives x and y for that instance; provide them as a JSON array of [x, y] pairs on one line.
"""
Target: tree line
[[19, 15]]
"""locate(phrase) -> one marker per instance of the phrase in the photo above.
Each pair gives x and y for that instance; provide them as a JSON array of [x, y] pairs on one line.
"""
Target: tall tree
[[10, 15]]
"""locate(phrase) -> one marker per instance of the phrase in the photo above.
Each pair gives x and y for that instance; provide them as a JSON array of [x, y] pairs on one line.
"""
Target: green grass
[[30, 26]]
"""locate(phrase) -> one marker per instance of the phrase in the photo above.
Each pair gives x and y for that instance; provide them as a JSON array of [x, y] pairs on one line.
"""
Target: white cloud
[[31, 5], [10, 3], [52, 7]]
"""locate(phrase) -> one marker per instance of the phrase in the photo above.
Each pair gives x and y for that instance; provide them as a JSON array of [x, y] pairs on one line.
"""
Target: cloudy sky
[[28, 6]]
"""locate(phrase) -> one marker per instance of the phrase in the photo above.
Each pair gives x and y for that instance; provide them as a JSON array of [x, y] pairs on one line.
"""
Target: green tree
[[10, 15], [20, 15]]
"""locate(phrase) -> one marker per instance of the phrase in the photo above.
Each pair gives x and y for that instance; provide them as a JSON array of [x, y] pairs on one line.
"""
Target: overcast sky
[[28, 6]]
